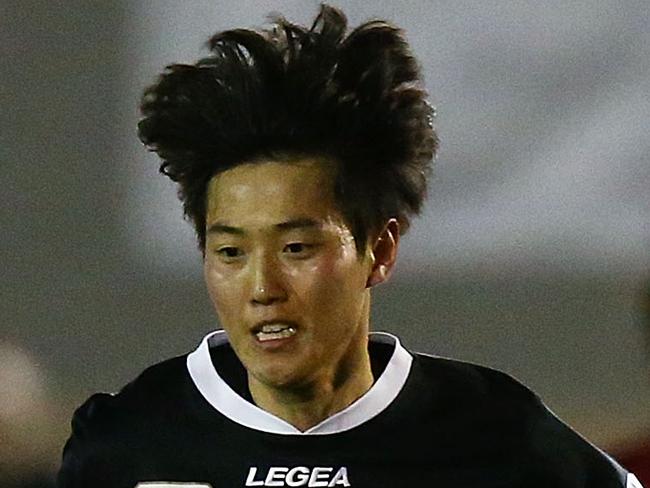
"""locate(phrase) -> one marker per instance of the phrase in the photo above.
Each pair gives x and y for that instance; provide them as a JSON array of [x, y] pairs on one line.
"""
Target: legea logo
[[298, 476]]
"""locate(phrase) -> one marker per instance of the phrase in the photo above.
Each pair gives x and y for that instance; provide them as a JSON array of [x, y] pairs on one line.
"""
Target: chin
[[282, 377]]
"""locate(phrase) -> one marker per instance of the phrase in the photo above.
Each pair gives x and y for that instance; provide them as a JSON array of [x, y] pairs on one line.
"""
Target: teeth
[[274, 328], [274, 332]]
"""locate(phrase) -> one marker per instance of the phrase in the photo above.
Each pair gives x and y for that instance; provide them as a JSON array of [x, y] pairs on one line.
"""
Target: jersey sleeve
[[87, 456], [112, 440], [568, 459], [553, 454]]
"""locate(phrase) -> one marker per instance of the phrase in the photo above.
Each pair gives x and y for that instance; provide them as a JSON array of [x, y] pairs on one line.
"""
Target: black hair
[[357, 99]]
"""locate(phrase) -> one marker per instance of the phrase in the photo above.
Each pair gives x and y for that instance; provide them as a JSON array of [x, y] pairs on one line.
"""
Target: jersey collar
[[219, 394]]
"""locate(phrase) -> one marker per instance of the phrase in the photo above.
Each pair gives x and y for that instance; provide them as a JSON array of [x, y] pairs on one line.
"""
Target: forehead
[[268, 191]]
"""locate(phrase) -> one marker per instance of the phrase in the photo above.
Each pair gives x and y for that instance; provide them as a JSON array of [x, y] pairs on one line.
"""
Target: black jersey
[[427, 421]]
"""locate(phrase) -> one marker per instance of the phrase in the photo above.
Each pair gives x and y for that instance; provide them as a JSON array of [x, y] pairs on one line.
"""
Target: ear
[[384, 253]]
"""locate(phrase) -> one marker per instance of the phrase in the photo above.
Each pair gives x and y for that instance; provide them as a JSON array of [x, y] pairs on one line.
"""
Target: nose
[[267, 286]]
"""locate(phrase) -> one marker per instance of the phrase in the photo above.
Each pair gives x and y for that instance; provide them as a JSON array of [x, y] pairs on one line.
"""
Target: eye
[[229, 252], [297, 247]]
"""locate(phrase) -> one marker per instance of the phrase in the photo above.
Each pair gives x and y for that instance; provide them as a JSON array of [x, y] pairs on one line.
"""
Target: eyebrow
[[300, 223], [218, 228]]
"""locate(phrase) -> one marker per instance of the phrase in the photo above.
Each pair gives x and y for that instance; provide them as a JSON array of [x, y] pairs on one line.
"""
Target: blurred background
[[532, 256]]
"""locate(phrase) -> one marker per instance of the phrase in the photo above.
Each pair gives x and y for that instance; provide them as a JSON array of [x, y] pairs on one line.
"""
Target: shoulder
[[456, 382], [151, 391], [476, 399], [509, 414], [112, 426], [155, 390]]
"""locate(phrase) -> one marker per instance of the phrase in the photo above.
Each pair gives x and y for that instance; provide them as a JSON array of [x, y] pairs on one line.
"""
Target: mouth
[[273, 330]]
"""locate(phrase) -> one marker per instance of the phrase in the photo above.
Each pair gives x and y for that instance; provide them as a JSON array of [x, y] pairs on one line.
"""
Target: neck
[[307, 405]]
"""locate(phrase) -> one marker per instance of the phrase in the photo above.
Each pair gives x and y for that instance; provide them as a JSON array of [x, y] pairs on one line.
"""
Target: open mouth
[[274, 331]]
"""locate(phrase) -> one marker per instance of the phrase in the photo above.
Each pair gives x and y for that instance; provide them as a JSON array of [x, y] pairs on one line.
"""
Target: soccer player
[[301, 154]]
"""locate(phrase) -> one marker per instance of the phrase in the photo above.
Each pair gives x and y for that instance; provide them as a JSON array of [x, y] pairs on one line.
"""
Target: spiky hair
[[287, 90]]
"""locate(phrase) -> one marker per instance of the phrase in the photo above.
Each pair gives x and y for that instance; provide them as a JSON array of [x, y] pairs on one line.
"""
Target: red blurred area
[[636, 458]]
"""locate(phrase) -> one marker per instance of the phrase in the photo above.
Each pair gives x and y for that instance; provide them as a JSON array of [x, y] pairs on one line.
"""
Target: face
[[283, 273]]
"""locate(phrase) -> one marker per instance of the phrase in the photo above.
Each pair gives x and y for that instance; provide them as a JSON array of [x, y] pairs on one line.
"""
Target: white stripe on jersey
[[219, 394], [633, 482]]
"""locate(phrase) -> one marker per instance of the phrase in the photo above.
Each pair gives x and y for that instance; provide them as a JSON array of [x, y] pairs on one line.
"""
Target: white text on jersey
[[299, 476]]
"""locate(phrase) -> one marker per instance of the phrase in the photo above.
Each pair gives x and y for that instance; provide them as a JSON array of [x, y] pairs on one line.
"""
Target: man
[[301, 155]]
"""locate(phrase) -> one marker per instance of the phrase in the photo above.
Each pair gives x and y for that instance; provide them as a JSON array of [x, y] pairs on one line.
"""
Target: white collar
[[219, 394]]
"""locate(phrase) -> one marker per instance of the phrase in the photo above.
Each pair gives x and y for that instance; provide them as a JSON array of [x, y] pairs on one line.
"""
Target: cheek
[[223, 290], [329, 285], [343, 270]]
